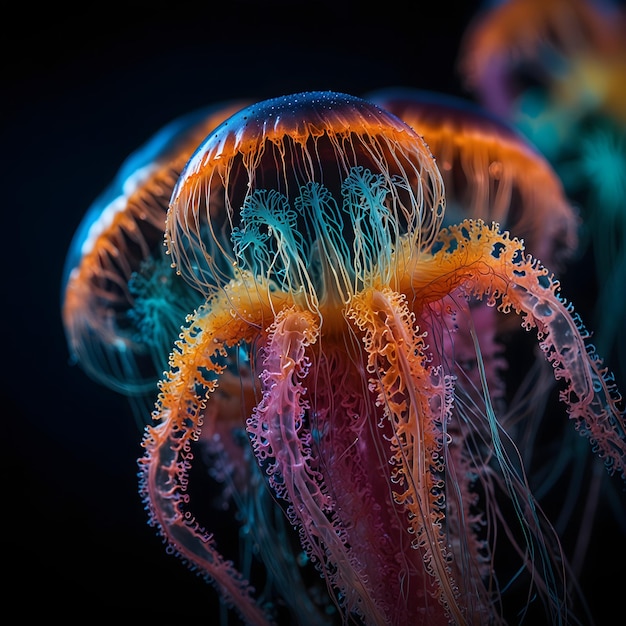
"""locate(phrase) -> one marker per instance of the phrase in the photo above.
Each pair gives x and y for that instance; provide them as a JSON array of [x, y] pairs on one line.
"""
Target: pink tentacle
[[282, 447]]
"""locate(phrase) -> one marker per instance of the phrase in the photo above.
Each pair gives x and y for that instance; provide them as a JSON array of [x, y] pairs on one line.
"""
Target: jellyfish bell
[[283, 145], [490, 171], [121, 302]]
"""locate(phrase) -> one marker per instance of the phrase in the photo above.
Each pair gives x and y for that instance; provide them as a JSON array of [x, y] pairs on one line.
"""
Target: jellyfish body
[[122, 304], [312, 224]]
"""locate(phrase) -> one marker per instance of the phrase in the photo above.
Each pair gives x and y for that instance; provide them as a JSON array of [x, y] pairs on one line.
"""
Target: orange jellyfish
[[490, 171], [122, 305], [312, 223], [575, 46]]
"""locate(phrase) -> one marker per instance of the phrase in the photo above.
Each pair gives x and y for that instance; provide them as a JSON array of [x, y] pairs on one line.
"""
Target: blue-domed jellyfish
[[313, 224]]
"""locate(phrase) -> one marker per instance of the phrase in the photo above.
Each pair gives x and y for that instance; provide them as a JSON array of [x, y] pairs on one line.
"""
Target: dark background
[[78, 97]]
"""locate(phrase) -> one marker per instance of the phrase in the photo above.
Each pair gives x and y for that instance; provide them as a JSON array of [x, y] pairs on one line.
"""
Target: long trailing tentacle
[[488, 263], [193, 376]]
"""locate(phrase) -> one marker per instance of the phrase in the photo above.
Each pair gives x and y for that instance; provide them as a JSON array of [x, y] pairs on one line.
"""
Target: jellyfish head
[[312, 194]]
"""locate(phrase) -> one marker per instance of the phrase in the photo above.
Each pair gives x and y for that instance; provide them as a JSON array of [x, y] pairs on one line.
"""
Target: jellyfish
[[573, 47], [313, 225], [122, 304]]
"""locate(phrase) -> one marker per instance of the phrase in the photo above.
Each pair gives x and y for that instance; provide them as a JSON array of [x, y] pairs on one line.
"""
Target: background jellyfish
[[562, 83], [122, 304], [573, 47], [312, 224]]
